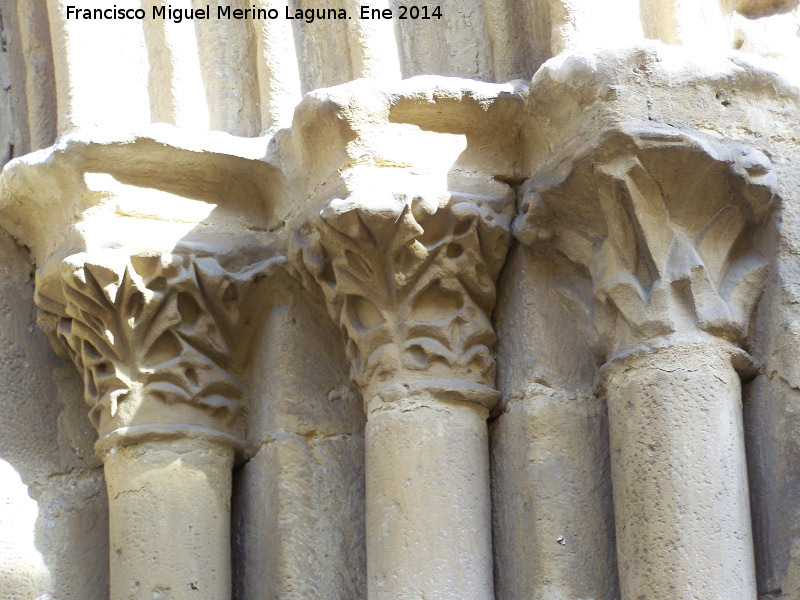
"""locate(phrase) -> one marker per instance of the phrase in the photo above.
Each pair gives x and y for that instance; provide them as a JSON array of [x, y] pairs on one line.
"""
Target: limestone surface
[[500, 304]]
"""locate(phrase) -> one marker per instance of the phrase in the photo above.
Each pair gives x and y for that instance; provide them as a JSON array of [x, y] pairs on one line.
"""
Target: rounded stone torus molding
[[666, 223], [410, 279]]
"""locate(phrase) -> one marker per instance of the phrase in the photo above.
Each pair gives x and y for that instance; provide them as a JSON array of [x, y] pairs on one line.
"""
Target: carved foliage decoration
[[411, 284], [168, 329], [664, 224]]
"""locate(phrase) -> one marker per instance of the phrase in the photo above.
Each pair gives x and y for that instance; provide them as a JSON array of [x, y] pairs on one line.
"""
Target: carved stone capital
[[158, 339], [665, 224], [410, 279], [150, 251]]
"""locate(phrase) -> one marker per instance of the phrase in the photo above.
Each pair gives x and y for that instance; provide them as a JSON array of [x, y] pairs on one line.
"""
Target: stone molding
[[411, 283], [664, 222]]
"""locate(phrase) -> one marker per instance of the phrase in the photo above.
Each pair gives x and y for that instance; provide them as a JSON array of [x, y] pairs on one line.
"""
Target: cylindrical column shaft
[[428, 506], [553, 514], [679, 474], [169, 520]]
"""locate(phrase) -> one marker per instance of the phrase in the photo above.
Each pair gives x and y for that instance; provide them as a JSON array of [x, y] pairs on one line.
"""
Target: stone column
[[551, 484], [666, 224], [428, 504], [182, 547], [157, 339], [679, 471], [411, 282]]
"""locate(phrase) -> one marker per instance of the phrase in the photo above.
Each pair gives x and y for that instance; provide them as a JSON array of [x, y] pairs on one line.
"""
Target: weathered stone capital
[[411, 281], [158, 339], [152, 254], [664, 222]]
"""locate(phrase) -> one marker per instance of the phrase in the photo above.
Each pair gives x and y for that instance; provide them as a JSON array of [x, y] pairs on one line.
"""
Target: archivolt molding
[[411, 282], [665, 223]]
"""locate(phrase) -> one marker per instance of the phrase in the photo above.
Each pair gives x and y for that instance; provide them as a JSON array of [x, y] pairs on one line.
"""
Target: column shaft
[[428, 506], [169, 520], [553, 514], [679, 475]]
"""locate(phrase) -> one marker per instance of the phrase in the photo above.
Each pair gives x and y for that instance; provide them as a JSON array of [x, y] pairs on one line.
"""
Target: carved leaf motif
[[166, 328], [666, 232], [412, 288]]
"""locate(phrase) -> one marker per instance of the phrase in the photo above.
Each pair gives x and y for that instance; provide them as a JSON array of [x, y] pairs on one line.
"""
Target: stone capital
[[664, 222], [152, 274], [410, 279], [159, 340]]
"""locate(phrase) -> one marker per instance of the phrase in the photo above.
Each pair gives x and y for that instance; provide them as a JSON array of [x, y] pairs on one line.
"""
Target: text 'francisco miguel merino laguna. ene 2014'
[[308, 15]]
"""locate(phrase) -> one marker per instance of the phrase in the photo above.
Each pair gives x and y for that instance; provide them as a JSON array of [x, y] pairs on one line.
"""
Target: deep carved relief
[[167, 329], [412, 284], [663, 221]]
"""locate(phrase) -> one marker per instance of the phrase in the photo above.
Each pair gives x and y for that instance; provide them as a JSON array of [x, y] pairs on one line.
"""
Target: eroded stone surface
[[553, 516], [175, 551], [667, 225], [651, 243], [411, 283], [54, 508], [679, 475], [661, 260], [410, 279], [300, 509]]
